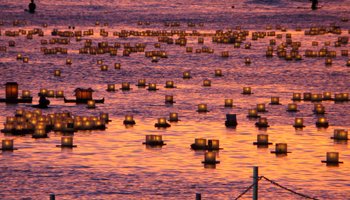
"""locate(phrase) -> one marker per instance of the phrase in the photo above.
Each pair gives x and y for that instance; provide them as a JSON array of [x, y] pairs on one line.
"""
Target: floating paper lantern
[[327, 96], [39, 133], [262, 122], [298, 122], [202, 108], [253, 113], [125, 86], [110, 87], [67, 142], [173, 117], [213, 145], [117, 65], [19, 56], [199, 144], [57, 72], [50, 93], [348, 63], [25, 94], [340, 134], [332, 158], [206, 83], [307, 96], [231, 120], [280, 148], [129, 120], [162, 123], [43, 91], [296, 97], [91, 104], [275, 101], [316, 97], [169, 84], [292, 107], [11, 90], [104, 117], [104, 68], [154, 140], [59, 94], [225, 54], [319, 109], [328, 61], [169, 99], [322, 122], [25, 59], [186, 75], [68, 61], [141, 83], [261, 107], [7, 145], [262, 140], [229, 103], [247, 61], [247, 90], [152, 87], [210, 158], [345, 96], [218, 72]]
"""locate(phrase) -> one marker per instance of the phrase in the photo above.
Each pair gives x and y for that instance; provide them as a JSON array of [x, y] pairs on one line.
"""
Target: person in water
[[314, 4], [43, 102], [31, 7]]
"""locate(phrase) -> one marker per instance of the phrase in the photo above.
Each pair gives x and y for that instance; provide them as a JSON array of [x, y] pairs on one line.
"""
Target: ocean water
[[113, 164]]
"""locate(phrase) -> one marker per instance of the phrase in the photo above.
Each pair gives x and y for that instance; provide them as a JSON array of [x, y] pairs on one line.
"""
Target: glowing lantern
[[322, 122], [210, 158], [199, 144], [206, 83], [57, 72], [117, 65], [262, 122], [247, 90], [348, 63], [228, 102], [247, 61], [292, 107], [39, 133], [125, 86], [67, 142], [68, 61], [43, 91], [104, 68], [25, 94], [25, 59], [152, 87], [261, 107], [253, 113], [262, 140], [202, 108], [162, 123], [218, 72], [225, 54], [340, 134], [213, 145], [7, 145], [296, 97], [328, 61], [19, 56], [327, 96], [275, 101], [91, 104], [154, 140], [59, 94], [11, 90], [169, 99], [332, 158], [298, 122], [307, 96], [186, 75], [129, 120], [50, 93], [345, 96], [83, 94], [169, 84], [316, 97], [173, 117], [319, 109], [280, 148], [141, 83], [111, 87], [155, 59]]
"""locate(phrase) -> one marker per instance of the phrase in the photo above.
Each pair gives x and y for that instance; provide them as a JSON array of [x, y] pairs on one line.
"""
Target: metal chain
[[246, 190], [292, 191]]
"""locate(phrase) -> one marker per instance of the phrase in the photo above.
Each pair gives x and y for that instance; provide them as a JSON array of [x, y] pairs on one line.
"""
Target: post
[[198, 196], [255, 182], [52, 196]]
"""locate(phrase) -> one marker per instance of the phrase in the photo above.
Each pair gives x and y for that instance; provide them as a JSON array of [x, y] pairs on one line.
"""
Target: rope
[[246, 190], [292, 191]]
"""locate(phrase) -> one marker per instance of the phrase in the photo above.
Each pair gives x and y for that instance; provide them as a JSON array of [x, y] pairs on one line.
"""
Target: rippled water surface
[[113, 164]]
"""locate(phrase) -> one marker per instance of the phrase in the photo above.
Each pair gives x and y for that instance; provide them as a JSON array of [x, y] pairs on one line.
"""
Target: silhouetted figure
[[31, 7], [43, 102], [314, 4]]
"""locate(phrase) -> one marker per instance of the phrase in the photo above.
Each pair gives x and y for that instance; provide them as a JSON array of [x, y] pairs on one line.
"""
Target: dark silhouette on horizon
[[43, 102], [31, 7], [314, 4]]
